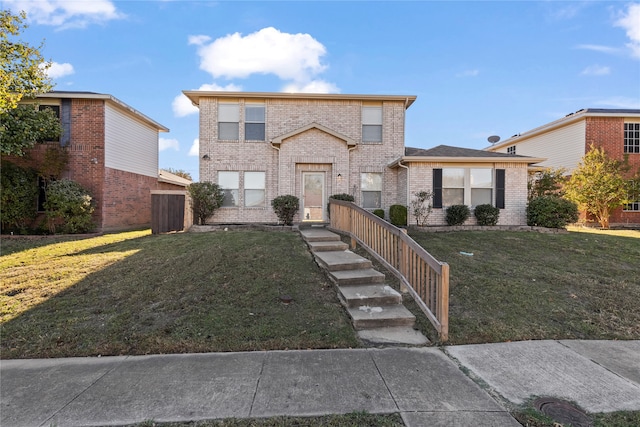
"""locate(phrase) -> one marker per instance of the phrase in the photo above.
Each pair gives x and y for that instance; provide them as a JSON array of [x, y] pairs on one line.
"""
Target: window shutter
[[437, 188], [65, 119], [500, 187]]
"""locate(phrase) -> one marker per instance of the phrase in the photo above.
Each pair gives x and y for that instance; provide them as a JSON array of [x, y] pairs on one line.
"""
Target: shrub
[[286, 208], [206, 197], [18, 192], [379, 213], [341, 196], [68, 207], [457, 214], [398, 215], [421, 211], [551, 211], [486, 214]]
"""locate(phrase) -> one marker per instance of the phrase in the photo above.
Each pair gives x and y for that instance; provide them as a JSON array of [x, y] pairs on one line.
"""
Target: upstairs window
[[254, 129], [56, 111], [371, 187], [254, 189], [511, 150], [372, 124], [632, 137], [230, 184], [228, 122]]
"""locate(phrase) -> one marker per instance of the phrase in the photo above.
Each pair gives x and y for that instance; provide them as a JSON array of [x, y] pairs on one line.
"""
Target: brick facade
[[122, 199]]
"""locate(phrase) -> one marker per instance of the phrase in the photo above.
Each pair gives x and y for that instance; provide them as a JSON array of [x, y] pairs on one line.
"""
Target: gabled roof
[[107, 98], [447, 153], [277, 141], [195, 95], [566, 120]]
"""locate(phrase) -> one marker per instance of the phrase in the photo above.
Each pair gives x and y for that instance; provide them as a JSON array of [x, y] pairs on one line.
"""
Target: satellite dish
[[493, 139]]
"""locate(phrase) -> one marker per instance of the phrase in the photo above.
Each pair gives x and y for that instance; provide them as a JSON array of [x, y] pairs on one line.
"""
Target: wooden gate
[[167, 212]]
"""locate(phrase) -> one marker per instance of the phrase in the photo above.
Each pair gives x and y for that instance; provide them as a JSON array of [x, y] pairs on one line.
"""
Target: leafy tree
[[286, 208], [68, 207], [206, 197], [18, 192], [23, 68], [24, 126], [421, 206], [179, 172], [546, 183], [597, 185]]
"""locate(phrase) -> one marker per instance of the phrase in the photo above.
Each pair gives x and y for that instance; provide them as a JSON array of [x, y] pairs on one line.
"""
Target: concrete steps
[[375, 309]]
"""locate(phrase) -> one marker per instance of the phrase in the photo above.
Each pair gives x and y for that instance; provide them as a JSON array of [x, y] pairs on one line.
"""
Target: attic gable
[[278, 140]]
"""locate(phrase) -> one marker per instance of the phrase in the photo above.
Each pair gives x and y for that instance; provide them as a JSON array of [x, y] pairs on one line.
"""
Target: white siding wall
[[130, 145], [563, 147]]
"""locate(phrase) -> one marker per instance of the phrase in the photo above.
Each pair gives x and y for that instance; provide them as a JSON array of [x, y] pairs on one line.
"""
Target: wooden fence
[[423, 276]]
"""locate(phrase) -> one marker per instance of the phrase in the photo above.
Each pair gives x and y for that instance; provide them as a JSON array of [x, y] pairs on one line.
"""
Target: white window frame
[[634, 195], [371, 182], [251, 121], [631, 138], [229, 181], [372, 124], [254, 183], [467, 186], [229, 121]]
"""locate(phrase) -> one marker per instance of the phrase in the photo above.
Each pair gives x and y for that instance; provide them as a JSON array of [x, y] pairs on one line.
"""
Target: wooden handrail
[[423, 276]]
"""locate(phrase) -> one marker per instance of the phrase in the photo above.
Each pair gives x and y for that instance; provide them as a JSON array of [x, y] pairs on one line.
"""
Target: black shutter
[[437, 188], [500, 185], [65, 119]]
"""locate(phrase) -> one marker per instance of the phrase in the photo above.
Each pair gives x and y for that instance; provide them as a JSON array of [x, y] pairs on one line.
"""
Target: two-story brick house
[[564, 142], [113, 153], [258, 146]]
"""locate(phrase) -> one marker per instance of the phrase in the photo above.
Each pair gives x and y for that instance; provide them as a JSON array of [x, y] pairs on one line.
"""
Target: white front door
[[313, 196]]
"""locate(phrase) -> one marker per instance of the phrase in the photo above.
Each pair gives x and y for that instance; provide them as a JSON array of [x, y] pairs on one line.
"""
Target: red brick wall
[[608, 133]]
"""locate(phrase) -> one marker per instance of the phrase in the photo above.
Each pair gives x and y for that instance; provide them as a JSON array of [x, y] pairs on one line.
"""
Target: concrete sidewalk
[[424, 384]]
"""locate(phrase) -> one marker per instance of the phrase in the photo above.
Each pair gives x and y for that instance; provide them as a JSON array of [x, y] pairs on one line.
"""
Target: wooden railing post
[[443, 303]]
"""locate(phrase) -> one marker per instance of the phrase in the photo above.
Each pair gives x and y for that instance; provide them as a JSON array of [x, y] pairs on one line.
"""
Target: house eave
[[195, 96], [438, 159]]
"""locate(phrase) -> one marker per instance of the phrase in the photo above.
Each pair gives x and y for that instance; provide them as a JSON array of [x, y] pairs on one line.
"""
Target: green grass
[[137, 293], [531, 417], [526, 285], [347, 420]]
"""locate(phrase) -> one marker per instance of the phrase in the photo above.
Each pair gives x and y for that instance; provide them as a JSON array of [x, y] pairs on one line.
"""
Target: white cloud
[[182, 106], [631, 23], [599, 48], [468, 73], [56, 70], [199, 40], [316, 86], [619, 102], [596, 70], [165, 144], [293, 57], [66, 14], [195, 148]]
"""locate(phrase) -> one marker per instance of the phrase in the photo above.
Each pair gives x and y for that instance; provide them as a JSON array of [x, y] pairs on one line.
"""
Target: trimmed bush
[[18, 192], [286, 208], [398, 215], [457, 214], [206, 197], [552, 212], [379, 213], [68, 207], [486, 214]]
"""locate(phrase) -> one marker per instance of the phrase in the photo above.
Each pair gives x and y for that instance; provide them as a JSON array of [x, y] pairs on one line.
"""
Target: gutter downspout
[[349, 150], [408, 185]]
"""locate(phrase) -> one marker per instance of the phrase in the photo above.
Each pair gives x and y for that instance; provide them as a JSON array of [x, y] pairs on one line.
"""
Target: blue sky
[[478, 68]]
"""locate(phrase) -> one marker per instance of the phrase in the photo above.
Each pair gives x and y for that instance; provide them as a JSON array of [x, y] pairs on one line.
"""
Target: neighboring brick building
[[113, 153], [565, 141], [258, 146]]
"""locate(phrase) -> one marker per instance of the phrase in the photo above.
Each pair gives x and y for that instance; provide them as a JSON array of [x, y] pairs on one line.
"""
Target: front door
[[313, 196]]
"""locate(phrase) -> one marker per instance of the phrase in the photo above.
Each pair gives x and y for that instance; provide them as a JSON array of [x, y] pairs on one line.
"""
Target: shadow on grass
[[178, 293]]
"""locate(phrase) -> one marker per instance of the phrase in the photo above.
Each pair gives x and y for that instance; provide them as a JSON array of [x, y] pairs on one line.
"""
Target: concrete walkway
[[425, 384]]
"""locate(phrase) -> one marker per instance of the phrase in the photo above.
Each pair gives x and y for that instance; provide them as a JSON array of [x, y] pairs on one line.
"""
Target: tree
[[18, 192], [206, 197], [547, 182], [597, 185], [24, 126], [420, 210], [24, 71]]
